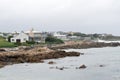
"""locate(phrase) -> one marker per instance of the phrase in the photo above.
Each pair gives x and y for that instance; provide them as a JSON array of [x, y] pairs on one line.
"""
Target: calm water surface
[[109, 57]]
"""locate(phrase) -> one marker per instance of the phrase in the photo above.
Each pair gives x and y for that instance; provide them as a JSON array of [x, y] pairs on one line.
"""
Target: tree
[[9, 38], [80, 34]]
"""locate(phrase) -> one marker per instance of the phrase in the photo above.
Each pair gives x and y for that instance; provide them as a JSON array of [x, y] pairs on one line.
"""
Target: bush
[[30, 42], [53, 40], [17, 44], [9, 38]]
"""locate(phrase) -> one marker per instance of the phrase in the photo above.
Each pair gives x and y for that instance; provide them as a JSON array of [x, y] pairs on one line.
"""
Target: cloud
[[61, 15]]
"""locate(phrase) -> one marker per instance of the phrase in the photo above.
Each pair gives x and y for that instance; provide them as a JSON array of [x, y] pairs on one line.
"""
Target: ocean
[[93, 58]]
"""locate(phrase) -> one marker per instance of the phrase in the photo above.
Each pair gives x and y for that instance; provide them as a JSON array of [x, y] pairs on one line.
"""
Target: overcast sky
[[88, 16]]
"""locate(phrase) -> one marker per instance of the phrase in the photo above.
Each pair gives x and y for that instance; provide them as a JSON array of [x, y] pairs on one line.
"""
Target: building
[[60, 36], [74, 38], [1, 34], [21, 37], [34, 35]]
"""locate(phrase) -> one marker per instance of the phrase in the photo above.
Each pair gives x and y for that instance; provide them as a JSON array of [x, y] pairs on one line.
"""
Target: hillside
[[4, 43]]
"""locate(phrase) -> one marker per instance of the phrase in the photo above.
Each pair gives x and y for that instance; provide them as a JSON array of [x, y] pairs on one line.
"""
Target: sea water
[[108, 57]]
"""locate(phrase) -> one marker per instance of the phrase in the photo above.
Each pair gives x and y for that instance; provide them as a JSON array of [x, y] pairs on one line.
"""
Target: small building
[[34, 35], [1, 34], [21, 37], [60, 36], [74, 38]]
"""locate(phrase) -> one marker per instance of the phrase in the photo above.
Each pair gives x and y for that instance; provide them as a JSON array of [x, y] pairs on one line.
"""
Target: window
[[12, 39], [24, 39]]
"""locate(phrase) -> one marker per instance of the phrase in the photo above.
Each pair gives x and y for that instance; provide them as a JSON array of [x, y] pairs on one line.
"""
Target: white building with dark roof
[[21, 37]]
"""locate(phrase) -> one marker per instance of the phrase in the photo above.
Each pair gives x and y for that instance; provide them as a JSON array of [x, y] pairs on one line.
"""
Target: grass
[[4, 43]]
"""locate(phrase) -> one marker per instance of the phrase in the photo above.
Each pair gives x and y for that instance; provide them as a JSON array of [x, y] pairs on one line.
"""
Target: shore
[[35, 55], [84, 45], [38, 54]]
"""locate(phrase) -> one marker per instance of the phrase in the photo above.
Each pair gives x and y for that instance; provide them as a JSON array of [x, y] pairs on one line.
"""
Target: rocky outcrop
[[25, 57], [51, 62], [2, 50], [83, 66], [86, 45]]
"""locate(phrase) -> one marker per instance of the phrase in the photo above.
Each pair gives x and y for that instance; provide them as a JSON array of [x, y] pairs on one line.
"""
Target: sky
[[87, 16]]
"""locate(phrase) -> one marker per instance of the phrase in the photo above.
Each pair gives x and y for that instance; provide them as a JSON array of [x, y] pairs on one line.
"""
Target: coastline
[[38, 54], [85, 45], [35, 55]]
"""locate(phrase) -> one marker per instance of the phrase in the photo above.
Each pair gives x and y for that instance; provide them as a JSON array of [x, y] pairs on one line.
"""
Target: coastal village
[[59, 40], [39, 37], [34, 46]]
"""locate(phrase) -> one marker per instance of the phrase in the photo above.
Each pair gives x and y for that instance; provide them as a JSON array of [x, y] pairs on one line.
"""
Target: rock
[[41, 61], [81, 53], [82, 67], [51, 62], [101, 65], [2, 50], [61, 68], [1, 66], [84, 45], [24, 55]]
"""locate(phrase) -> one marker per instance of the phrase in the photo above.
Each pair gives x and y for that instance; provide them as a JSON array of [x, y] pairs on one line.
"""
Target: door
[[18, 40]]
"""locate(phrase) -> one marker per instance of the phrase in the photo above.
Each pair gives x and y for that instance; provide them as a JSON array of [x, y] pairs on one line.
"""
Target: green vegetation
[[30, 42], [53, 40], [78, 34], [27, 43], [7, 44], [9, 38], [4, 43]]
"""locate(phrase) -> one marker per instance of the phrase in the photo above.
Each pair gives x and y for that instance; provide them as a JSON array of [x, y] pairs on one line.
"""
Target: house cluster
[[40, 37], [31, 35], [66, 37]]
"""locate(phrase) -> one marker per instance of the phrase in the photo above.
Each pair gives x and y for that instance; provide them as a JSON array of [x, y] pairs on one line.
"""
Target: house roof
[[20, 34], [32, 31], [57, 34]]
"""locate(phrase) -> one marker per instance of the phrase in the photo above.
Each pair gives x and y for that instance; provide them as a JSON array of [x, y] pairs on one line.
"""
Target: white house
[[22, 37], [60, 36]]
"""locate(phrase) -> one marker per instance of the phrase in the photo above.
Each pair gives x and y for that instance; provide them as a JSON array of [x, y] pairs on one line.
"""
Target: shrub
[[53, 40], [30, 42]]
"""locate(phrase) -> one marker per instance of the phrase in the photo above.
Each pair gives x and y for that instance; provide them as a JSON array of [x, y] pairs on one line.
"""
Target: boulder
[[2, 50], [51, 62], [83, 66], [101, 65]]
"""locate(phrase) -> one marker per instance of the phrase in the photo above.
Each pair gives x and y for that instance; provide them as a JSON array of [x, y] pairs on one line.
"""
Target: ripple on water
[[93, 58]]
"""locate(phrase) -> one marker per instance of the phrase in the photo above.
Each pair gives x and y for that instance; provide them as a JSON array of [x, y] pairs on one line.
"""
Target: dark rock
[[1, 66], [61, 68], [82, 67], [85, 45], [51, 62], [101, 65], [2, 50], [81, 53], [35, 58]]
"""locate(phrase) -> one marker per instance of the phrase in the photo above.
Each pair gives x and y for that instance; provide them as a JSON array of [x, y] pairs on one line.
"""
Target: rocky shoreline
[[85, 45], [32, 56], [38, 54]]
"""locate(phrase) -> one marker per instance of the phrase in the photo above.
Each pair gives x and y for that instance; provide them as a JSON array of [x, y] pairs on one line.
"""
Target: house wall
[[36, 37], [23, 38], [60, 36]]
